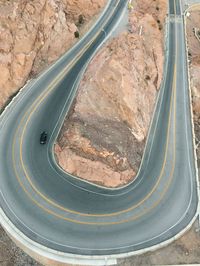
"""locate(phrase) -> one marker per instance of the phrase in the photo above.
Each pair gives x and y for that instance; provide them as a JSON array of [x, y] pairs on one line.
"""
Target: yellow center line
[[50, 88]]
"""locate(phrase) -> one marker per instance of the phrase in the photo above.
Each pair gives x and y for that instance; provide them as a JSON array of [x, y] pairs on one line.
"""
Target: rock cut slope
[[33, 34], [193, 34], [103, 137]]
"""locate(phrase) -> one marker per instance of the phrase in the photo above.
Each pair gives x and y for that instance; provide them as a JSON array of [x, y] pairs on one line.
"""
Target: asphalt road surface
[[66, 214]]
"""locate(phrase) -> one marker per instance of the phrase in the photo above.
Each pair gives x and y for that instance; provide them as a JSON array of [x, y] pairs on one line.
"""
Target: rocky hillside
[[193, 36], [35, 33], [103, 138]]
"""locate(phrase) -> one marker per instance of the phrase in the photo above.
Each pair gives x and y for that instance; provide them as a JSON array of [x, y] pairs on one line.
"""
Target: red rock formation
[[103, 138], [194, 56], [35, 33], [193, 22]]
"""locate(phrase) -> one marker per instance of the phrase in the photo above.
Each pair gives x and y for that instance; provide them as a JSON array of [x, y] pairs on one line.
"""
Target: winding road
[[65, 214]]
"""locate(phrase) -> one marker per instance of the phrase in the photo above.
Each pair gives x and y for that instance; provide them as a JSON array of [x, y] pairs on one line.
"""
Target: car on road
[[43, 137]]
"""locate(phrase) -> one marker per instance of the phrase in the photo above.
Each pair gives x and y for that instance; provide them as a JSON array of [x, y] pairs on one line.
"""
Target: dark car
[[43, 137]]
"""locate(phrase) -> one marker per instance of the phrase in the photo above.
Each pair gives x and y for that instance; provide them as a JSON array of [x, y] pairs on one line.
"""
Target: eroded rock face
[[35, 33], [193, 21], [194, 56], [102, 140]]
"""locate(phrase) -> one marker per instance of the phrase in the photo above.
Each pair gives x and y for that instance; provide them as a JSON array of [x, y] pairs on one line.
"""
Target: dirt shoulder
[[11, 255], [185, 250], [102, 139]]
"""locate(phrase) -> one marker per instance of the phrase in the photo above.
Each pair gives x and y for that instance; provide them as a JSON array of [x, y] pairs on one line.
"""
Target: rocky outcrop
[[193, 22], [194, 57], [35, 33], [102, 139]]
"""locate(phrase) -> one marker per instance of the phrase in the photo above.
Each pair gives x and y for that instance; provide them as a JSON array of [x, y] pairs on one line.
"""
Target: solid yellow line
[[125, 220], [83, 214], [65, 209]]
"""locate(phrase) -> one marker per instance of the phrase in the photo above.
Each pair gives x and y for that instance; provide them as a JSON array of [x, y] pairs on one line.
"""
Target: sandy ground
[[11, 255], [185, 250]]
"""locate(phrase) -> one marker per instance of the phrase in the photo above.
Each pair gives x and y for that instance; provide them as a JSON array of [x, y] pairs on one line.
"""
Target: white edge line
[[44, 72], [149, 130], [89, 260], [82, 259], [191, 106]]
